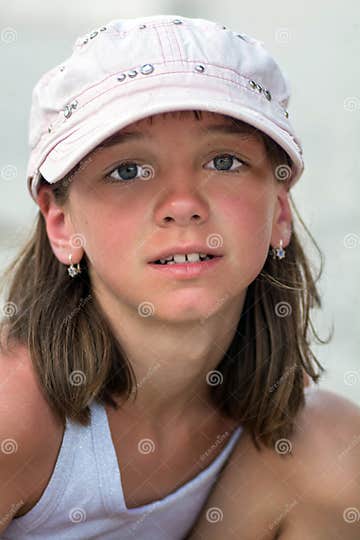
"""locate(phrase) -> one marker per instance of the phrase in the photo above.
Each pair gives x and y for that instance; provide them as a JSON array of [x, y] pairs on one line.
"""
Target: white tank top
[[84, 497]]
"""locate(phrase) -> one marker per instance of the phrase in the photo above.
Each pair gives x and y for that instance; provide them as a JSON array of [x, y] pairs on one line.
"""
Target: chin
[[192, 309]]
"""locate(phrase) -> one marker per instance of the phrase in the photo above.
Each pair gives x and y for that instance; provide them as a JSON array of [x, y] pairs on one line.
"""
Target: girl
[[159, 312]]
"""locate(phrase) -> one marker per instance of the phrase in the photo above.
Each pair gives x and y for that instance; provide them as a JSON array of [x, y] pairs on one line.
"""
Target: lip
[[187, 270], [193, 248]]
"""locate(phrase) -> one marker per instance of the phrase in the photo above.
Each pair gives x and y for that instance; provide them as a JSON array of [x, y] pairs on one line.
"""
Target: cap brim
[[112, 116]]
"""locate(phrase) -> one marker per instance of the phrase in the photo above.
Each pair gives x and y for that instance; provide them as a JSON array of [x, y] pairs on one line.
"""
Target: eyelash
[[128, 162]]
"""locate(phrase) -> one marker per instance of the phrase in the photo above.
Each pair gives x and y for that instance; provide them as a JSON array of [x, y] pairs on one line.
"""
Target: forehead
[[198, 122], [191, 116]]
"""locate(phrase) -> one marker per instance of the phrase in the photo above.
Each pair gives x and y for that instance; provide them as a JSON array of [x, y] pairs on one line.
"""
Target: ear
[[59, 227], [282, 219]]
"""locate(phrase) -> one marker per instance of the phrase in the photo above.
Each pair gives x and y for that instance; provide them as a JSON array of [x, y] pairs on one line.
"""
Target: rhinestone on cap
[[132, 73], [286, 114], [177, 21], [259, 87], [121, 77], [146, 69], [252, 84], [93, 34], [200, 68], [102, 28], [142, 26], [85, 41]]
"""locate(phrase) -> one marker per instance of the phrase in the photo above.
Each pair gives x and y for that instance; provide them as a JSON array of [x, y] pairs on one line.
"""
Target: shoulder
[[322, 478], [330, 421], [327, 428], [21, 390], [265, 493], [23, 397], [28, 429], [322, 455], [326, 448]]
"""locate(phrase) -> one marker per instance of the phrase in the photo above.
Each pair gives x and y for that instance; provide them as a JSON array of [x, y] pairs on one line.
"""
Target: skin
[[120, 227], [186, 200], [312, 494]]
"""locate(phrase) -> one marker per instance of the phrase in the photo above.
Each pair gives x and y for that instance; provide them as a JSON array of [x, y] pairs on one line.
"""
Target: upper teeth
[[180, 258]]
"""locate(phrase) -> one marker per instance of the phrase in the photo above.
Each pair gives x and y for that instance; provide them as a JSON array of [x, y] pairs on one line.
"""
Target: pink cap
[[129, 69]]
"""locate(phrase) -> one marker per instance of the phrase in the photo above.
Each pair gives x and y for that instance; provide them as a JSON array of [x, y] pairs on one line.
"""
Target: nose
[[182, 204]]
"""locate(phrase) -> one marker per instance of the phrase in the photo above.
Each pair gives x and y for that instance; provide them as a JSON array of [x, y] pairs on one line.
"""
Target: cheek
[[248, 213], [112, 233], [248, 227]]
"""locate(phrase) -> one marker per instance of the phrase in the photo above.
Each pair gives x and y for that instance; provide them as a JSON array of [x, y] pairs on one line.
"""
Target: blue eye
[[224, 160], [127, 170]]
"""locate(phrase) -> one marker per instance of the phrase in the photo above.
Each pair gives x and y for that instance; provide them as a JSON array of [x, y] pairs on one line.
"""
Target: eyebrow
[[228, 129]]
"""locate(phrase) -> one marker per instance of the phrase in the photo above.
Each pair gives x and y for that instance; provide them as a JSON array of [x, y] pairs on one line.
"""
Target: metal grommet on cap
[[68, 110], [142, 26], [93, 34], [146, 69], [177, 21], [267, 94], [132, 73], [121, 77], [260, 89], [200, 68]]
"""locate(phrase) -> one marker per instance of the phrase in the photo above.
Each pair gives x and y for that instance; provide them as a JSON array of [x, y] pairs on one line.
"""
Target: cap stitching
[[242, 86], [61, 119], [113, 31], [273, 103], [170, 42], [160, 43], [174, 34], [98, 83], [169, 22]]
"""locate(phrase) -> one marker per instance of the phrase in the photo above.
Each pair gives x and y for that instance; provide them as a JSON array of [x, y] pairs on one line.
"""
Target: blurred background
[[317, 44]]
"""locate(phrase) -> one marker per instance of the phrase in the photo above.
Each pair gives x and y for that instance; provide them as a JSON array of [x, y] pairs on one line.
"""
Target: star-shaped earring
[[278, 252]]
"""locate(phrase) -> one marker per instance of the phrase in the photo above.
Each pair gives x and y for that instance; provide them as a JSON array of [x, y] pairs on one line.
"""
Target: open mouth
[[197, 261]]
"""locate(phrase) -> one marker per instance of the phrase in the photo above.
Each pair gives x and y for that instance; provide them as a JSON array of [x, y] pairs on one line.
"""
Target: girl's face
[[188, 194]]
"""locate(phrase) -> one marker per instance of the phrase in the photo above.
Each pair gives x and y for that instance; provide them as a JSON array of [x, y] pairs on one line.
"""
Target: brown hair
[[77, 358]]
